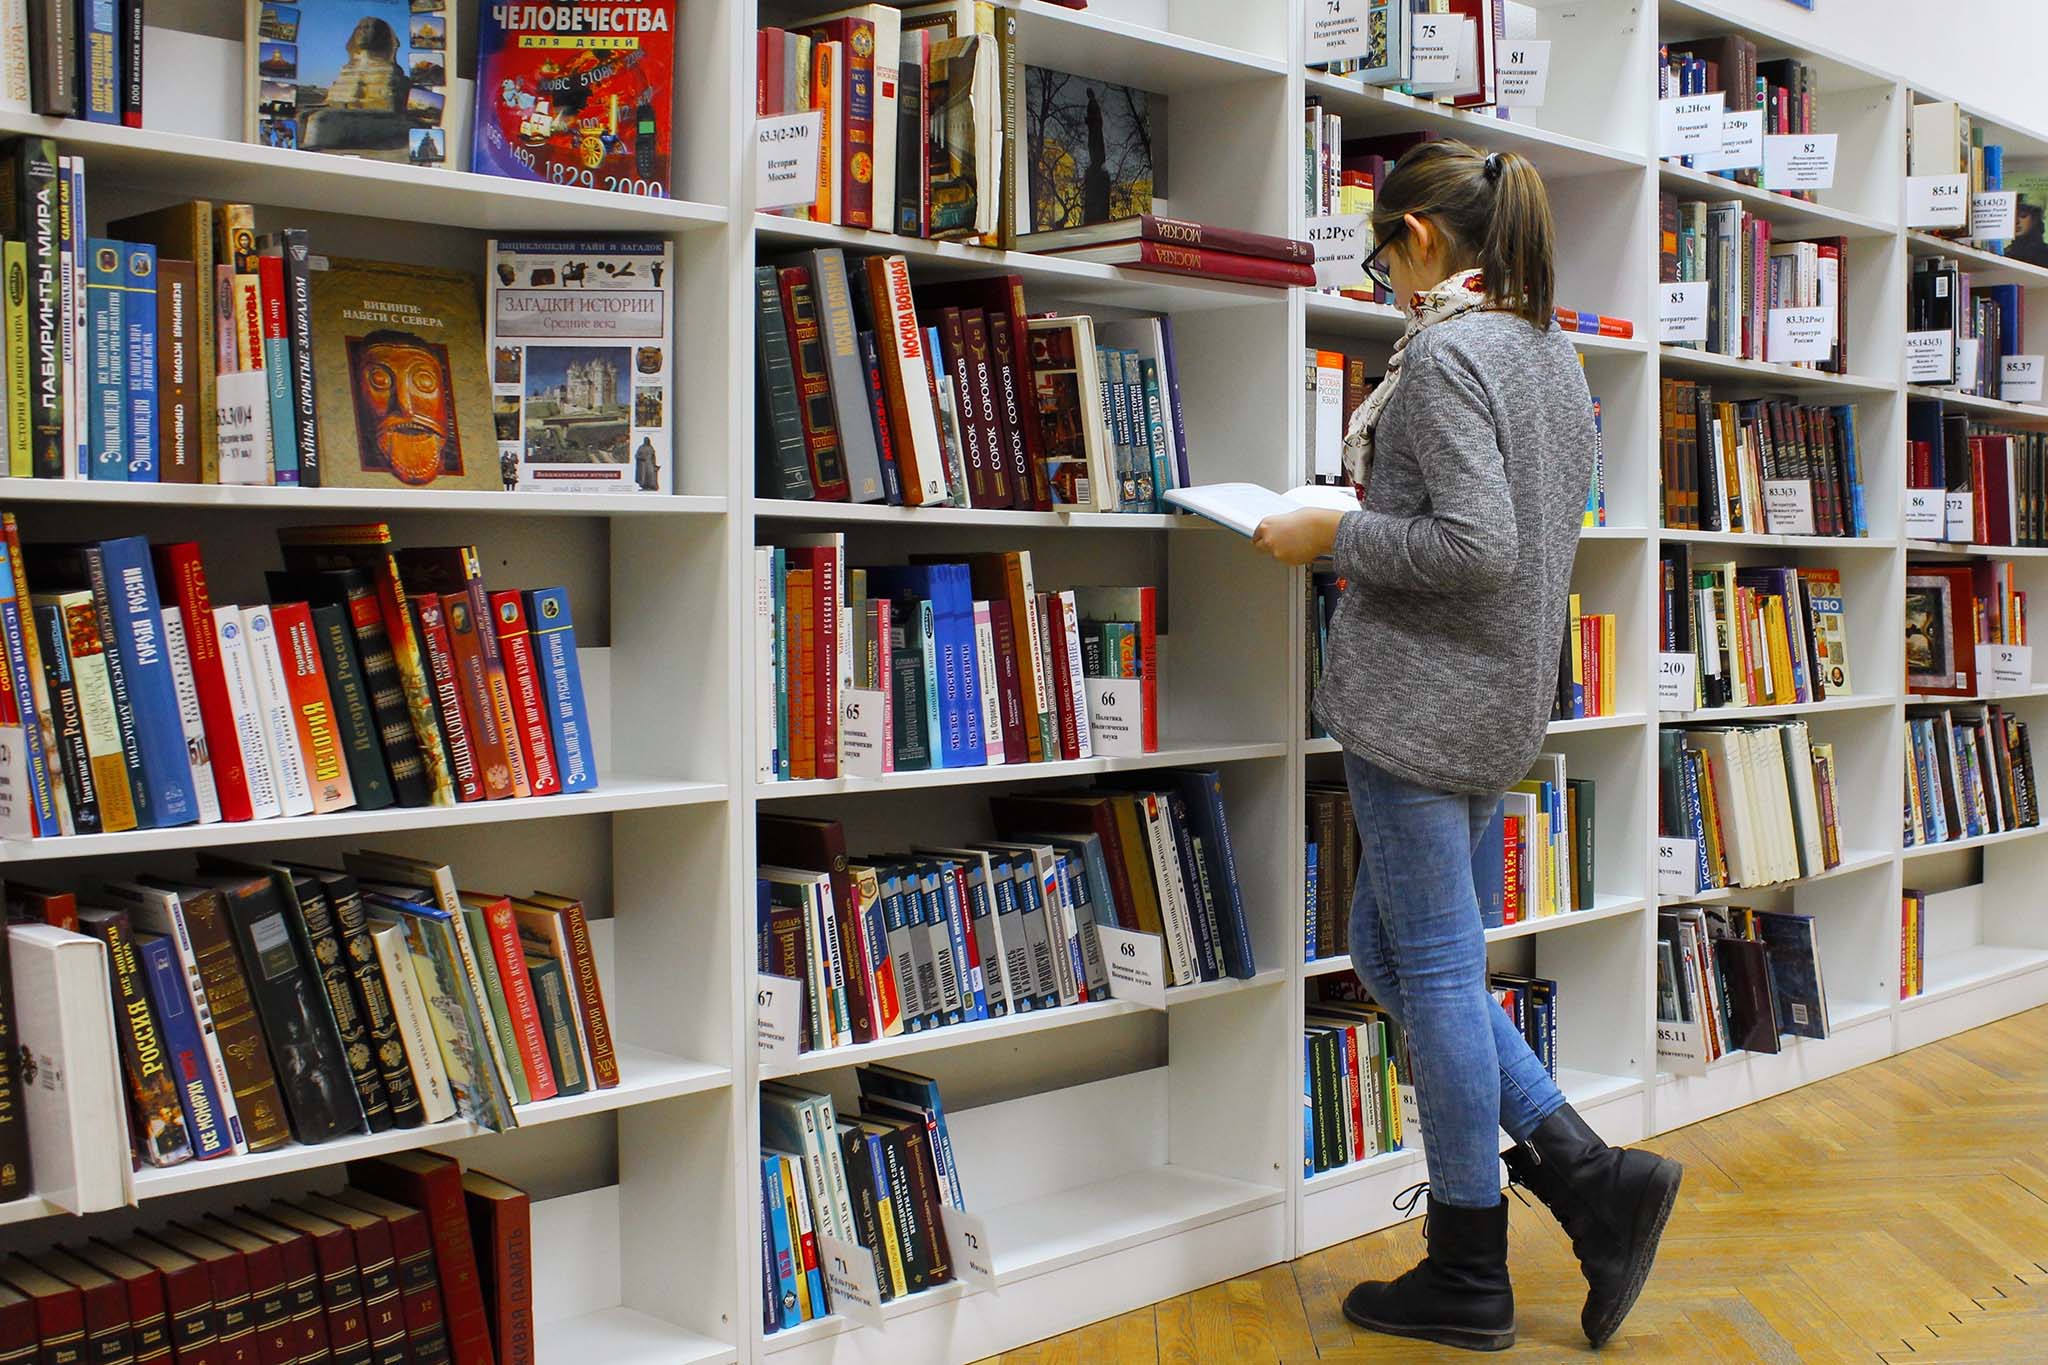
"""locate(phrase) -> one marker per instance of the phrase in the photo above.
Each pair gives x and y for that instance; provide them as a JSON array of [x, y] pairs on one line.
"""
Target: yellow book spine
[[20, 449]]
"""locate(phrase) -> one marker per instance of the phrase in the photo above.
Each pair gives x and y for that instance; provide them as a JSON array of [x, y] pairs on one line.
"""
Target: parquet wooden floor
[[1895, 1214]]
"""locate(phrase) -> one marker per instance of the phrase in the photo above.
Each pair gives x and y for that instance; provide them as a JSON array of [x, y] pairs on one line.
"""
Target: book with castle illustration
[[354, 77], [398, 369]]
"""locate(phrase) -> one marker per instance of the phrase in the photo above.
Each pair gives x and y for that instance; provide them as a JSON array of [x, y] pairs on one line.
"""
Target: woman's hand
[[1299, 537]]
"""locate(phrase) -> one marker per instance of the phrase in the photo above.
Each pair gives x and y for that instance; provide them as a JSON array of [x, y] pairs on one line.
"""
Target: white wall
[[1985, 52]]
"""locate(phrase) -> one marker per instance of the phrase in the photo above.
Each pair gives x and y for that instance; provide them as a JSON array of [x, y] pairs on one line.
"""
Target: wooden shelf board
[[1015, 772]]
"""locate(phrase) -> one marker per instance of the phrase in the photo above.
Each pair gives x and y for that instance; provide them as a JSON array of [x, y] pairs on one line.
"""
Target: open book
[[1242, 506]]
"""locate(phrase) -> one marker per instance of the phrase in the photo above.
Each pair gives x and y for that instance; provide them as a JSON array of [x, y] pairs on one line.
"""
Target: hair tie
[[1491, 168]]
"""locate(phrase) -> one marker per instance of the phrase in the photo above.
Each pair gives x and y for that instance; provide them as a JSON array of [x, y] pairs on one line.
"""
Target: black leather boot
[[1459, 1295], [1612, 1201]]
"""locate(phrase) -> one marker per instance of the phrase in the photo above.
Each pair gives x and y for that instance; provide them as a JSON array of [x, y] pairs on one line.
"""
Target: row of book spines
[[1723, 977], [1782, 90], [2004, 475], [1969, 772], [1716, 456], [1761, 802], [1353, 1108], [1749, 276], [1586, 681], [1912, 943], [85, 61], [1762, 635]]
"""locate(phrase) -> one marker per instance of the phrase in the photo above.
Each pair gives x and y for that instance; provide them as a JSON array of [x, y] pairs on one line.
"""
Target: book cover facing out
[[362, 78]]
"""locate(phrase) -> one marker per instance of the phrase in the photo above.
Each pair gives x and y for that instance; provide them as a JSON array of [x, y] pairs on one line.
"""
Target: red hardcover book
[[228, 1279], [412, 1245], [142, 1288], [59, 1310], [305, 679], [1511, 869], [108, 1338], [270, 1309], [1003, 296], [529, 706], [582, 967], [341, 1283], [824, 563], [857, 150], [800, 643], [823, 450], [951, 361], [1149, 227], [433, 1184], [437, 652], [518, 987], [1202, 261], [181, 575], [501, 1231], [819, 845], [472, 675], [1009, 680], [1062, 675], [19, 1341], [980, 404], [383, 1303], [307, 1316], [188, 1299], [450, 569]]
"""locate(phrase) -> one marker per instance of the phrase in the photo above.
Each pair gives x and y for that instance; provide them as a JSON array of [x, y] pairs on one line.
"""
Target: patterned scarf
[[1459, 294]]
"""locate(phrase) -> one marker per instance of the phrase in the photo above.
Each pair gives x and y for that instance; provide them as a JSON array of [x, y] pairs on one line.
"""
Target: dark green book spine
[[1583, 860], [557, 1025], [69, 718], [354, 713], [860, 1186], [783, 466], [906, 662]]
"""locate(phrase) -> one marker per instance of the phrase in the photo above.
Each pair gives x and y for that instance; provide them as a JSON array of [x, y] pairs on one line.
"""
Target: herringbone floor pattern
[[1895, 1214]]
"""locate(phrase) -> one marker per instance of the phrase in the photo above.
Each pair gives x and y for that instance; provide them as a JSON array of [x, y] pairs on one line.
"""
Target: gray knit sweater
[[1443, 654]]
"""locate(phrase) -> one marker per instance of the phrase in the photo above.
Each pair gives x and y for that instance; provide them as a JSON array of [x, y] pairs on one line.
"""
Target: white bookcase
[[1118, 1155]]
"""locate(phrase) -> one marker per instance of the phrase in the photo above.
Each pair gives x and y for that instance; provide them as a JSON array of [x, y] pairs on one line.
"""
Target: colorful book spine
[[274, 710], [312, 708], [182, 574], [139, 339], [554, 637], [277, 368], [99, 85], [138, 638], [106, 370], [529, 703], [191, 724], [238, 676], [164, 979]]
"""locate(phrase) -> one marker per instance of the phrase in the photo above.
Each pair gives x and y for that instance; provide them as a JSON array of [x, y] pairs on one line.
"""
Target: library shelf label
[[1337, 31], [1433, 51], [1800, 334], [1116, 716], [1137, 966], [1742, 144], [1930, 357], [851, 1283], [1966, 357], [1688, 125], [1682, 1047], [2005, 670], [2019, 379], [1523, 75], [1682, 311], [1926, 514], [1937, 201], [1962, 516], [1678, 867], [1799, 161], [16, 800], [967, 1245], [1992, 214], [1677, 690], [1788, 506], [861, 710], [1342, 242], [786, 148], [778, 1002]]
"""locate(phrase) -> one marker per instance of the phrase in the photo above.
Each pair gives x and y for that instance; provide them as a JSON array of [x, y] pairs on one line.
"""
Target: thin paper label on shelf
[[1411, 1117], [1433, 51], [1677, 688], [2020, 379], [1926, 517], [1992, 214], [1681, 1048], [1742, 144], [851, 1284], [2005, 670], [1682, 311], [1342, 242], [968, 1246], [17, 801], [1116, 716], [1788, 506], [1930, 357], [1937, 201], [778, 1018], [1522, 73], [1137, 966], [1800, 334], [786, 150], [860, 731], [1799, 161], [1678, 867], [1688, 125], [1962, 517], [1337, 31]]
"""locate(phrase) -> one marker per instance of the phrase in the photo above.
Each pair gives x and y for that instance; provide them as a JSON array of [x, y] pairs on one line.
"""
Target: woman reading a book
[[1472, 457]]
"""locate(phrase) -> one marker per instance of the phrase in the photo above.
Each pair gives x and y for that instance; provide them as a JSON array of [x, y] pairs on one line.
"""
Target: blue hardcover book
[[1845, 422], [1309, 908], [138, 315], [1202, 789], [951, 676], [776, 1212], [959, 930], [561, 683], [779, 573], [928, 649], [957, 593], [107, 370], [1489, 872], [99, 65], [949, 963], [1308, 1103], [14, 626], [800, 1182], [163, 977], [159, 727], [917, 924], [978, 910]]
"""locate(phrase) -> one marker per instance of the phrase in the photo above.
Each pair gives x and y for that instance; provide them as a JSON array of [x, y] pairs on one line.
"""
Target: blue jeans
[[1419, 946]]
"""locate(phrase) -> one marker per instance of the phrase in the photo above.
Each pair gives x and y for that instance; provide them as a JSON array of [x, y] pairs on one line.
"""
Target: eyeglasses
[[1376, 269]]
